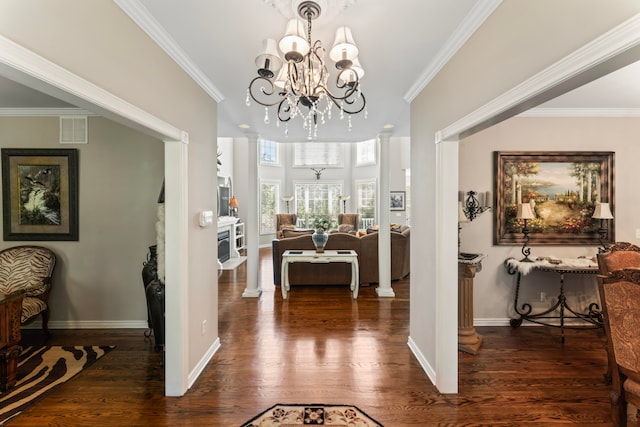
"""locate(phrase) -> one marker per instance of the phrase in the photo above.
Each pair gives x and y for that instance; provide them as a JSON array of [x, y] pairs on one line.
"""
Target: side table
[[10, 313], [469, 340]]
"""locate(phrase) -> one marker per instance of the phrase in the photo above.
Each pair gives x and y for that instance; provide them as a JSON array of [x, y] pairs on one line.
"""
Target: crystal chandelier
[[300, 87]]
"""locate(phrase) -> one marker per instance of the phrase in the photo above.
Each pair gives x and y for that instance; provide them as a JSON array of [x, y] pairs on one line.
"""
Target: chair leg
[[45, 321], [618, 409]]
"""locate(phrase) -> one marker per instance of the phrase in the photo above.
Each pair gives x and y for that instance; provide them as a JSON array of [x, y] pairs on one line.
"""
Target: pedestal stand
[[469, 340]]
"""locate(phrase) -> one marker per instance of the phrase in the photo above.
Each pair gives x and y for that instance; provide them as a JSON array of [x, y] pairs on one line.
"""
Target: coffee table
[[10, 313]]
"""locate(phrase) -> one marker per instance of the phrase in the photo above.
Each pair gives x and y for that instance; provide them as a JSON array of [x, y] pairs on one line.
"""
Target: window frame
[[340, 152], [276, 146], [276, 205], [368, 162]]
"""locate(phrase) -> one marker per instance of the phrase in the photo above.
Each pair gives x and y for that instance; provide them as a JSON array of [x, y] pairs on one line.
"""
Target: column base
[[251, 293], [469, 341], [385, 292]]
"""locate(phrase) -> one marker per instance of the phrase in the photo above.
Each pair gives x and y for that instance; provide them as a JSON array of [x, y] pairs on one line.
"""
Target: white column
[[384, 224], [251, 226]]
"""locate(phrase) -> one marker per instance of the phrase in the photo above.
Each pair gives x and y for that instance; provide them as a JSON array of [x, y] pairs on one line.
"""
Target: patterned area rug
[[311, 415], [43, 369]]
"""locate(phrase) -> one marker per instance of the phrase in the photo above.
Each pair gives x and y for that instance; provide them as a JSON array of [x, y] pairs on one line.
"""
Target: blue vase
[[319, 238]]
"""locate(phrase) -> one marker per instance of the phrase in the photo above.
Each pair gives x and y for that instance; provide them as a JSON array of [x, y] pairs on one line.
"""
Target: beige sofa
[[365, 246]]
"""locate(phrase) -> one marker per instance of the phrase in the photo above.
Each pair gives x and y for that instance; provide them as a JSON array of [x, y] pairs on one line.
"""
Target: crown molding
[[474, 19], [581, 112], [43, 112], [141, 16]]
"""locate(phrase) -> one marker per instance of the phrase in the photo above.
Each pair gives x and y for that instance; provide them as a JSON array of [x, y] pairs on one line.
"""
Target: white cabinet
[[240, 242]]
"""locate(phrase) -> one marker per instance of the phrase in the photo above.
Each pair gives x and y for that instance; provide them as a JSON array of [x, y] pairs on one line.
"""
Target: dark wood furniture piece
[[620, 295], [10, 313]]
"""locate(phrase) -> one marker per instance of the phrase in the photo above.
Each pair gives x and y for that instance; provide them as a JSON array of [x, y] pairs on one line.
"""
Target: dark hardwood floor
[[320, 346]]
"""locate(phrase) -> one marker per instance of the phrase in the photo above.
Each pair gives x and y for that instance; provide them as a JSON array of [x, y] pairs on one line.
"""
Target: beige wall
[[97, 41], [120, 176], [494, 289], [519, 40]]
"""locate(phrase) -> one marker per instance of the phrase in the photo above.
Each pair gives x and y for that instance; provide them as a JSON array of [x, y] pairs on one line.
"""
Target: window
[[269, 153], [366, 153], [318, 154], [314, 199], [366, 202], [269, 196]]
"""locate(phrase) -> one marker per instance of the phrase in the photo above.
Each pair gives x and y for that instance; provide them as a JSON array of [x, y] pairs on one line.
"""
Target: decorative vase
[[319, 238]]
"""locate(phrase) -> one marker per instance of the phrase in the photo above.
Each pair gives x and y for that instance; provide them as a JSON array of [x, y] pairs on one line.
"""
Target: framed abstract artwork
[[562, 188], [40, 194]]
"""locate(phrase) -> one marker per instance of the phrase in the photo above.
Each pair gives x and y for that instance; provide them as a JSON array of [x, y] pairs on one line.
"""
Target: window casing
[[269, 196], [328, 154], [269, 153], [366, 153], [366, 202], [313, 199]]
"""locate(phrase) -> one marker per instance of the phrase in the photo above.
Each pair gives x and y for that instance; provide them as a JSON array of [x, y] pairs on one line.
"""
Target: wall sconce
[[344, 199], [602, 212], [475, 203], [525, 213], [462, 217], [287, 199], [233, 204]]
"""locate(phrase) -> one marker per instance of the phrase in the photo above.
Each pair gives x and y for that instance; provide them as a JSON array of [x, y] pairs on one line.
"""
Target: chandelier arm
[[269, 91], [284, 111], [349, 102]]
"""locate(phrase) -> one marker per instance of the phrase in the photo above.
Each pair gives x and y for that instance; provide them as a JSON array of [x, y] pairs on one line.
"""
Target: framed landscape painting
[[40, 194], [562, 188]]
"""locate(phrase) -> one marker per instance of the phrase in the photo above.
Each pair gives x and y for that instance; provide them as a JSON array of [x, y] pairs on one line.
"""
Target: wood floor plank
[[321, 346]]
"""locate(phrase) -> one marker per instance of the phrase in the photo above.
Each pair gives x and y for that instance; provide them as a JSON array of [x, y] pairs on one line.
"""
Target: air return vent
[[73, 129]]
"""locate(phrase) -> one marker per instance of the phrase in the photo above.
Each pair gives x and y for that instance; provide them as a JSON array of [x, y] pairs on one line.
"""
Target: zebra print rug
[[43, 369]]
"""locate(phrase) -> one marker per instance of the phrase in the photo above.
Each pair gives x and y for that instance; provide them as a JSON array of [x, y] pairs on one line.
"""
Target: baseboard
[[202, 364], [426, 367], [89, 324]]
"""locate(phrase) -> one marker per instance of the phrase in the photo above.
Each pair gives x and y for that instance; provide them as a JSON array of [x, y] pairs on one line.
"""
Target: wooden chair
[[29, 269], [620, 295]]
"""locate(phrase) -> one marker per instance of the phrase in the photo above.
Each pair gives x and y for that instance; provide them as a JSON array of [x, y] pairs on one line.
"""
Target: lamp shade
[[233, 202], [602, 211], [462, 217], [349, 74], [344, 47], [294, 41], [524, 211], [344, 197], [268, 59], [287, 198]]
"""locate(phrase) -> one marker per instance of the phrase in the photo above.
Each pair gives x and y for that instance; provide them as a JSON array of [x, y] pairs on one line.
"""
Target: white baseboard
[[195, 373], [426, 367]]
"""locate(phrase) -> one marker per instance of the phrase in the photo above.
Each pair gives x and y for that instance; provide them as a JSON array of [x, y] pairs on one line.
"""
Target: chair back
[[618, 256], [27, 269]]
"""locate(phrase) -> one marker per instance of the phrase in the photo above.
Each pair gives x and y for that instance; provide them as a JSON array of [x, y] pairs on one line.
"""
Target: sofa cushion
[[345, 228]]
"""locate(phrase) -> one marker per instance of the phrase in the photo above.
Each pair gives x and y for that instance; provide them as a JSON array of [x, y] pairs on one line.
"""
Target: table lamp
[[233, 204], [602, 212], [525, 213]]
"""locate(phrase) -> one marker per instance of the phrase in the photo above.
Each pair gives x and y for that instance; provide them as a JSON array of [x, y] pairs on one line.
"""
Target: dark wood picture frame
[[397, 201], [39, 194], [563, 188]]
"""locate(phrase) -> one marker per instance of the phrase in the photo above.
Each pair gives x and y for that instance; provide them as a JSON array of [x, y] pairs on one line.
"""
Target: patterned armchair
[[285, 221], [348, 222], [620, 295], [28, 269]]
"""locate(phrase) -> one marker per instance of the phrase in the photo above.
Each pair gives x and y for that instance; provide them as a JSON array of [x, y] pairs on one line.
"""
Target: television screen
[[223, 201]]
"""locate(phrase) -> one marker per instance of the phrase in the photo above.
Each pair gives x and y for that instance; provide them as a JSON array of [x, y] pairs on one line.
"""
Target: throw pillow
[[345, 228], [295, 233]]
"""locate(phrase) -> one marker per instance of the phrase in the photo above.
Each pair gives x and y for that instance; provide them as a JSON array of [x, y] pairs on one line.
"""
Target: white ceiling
[[217, 41]]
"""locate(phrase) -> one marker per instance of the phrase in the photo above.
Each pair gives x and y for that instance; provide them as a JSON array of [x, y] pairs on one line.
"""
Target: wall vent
[[73, 130]]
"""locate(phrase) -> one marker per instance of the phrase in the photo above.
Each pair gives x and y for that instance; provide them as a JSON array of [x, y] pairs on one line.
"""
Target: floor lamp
[[344, 202], [287, 199]]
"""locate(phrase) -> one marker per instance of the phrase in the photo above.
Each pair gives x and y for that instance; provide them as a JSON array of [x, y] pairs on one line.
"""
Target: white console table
[[326, 257]]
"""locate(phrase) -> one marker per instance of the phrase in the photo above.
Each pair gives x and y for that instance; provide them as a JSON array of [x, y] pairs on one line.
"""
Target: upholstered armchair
[[348, 222], [285, 221], [620, 296], [28, 269]]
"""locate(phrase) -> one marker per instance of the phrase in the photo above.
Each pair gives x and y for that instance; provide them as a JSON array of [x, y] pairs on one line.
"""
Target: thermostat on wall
[[206, 218]]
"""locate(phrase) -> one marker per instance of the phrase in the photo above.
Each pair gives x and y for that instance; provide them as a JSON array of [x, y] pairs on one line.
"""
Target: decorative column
[[469, 340], [384, 224], [252, 230]]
